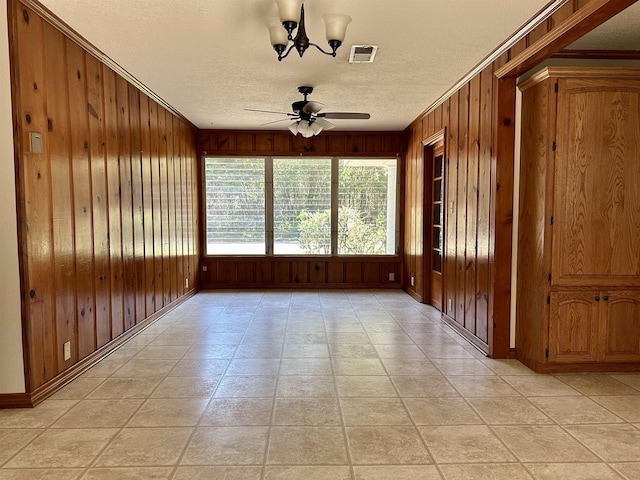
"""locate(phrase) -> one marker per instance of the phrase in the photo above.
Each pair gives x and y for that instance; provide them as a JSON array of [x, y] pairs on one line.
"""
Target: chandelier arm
[[331, 54], [280, 57]]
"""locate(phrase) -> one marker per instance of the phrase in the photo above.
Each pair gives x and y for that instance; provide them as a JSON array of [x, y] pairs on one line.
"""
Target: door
[[573, 327], [437, 224], [620, 326]]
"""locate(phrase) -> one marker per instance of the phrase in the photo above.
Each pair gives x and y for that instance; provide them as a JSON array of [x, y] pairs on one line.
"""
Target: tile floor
[[328, 385]]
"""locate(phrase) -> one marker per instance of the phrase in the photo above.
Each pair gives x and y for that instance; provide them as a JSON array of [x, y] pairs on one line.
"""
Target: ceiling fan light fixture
[[294, 128], [315, 128]]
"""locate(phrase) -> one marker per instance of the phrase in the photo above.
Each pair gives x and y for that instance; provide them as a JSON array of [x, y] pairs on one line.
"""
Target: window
[[300, 206]]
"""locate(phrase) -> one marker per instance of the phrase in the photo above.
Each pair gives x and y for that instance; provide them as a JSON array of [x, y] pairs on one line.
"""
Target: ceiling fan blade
[[345, 115], [324, 124], [276, 121], [267, 111], [313, 107]]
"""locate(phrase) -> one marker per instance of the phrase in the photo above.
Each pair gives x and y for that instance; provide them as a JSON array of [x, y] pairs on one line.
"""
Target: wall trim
[[24, 400], [58, 23], [599, 54], [480, 345]]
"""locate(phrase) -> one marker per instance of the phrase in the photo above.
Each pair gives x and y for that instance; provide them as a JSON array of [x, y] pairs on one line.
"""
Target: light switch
[[35, 142]]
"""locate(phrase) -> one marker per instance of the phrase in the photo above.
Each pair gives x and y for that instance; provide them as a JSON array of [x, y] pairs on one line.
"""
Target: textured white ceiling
[[210, 59]]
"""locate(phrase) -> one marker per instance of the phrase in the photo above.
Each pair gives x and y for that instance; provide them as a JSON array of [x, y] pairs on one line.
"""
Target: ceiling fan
[[308, 120]]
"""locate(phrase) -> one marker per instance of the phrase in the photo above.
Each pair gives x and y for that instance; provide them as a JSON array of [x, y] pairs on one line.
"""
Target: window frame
[[269, 207]]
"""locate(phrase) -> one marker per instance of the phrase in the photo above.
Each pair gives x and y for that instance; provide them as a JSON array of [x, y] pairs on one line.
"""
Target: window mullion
[[268, 204], [334, 205]]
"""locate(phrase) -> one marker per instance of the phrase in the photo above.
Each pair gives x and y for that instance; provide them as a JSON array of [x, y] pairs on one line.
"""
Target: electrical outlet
[[392, 277], [205, 268], [413, 281], [67, 350], [186, 282], [450, 305]]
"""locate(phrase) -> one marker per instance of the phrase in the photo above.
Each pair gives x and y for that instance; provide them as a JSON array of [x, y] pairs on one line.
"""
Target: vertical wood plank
[[171, 191], [113, 187], [452, 209], [164, 210], [147, 200], [81, 168], [177, 169], [461, 236], [126, 203], [57, 140], [100, 202], [37, 202], [156, 203]]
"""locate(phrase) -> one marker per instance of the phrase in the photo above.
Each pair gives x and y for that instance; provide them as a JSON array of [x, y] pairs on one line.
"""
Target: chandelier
[[291, 17]]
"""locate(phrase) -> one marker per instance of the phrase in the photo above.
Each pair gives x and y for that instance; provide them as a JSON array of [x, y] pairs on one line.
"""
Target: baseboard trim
[[413, 294], [586, 367], [44, 391], [479, 344]]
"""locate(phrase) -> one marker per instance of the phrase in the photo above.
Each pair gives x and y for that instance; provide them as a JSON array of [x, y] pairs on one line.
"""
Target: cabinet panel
[[573, 327], [597, 191], [620, 326]]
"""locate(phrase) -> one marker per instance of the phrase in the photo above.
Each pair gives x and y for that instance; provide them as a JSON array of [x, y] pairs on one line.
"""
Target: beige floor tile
[[305, 366], [461, 366], [211, 351], [358, 366], [297, 350], [105, 368], [167, 352], [41, 474], [145, 368], [186, 387], [613, 443], [389, 445], [338, 327], [424, 386], [141, 340], [199, 367], [543, 443], [409, 366], [630, 471], [227, 412], [259, 350], [539, 385], [307, 411], [134, 447], [482, 386], [78, 389], [226, 446], [399, 351], [441, 411], [465, 444], [507, 367], [246, 386], [577, 471], [295, 336], [627, 406], [169, 412], [631, 379], [134, 387], [374, 411], [307, 446], [218, 473], [127, 473], [168, 338], [63, 448], [493, 471], [12, 440], [436, 350], [111, 413], [575, 410], [41, 416], [359, 336], [597, 384], [306, 386], [254, 366], [396, 338], [365, 386], [508, 411], [404, 472], [352, 350], [307, 473]]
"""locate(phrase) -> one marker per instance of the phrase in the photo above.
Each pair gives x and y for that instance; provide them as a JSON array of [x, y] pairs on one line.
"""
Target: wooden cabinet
[[578, 287]]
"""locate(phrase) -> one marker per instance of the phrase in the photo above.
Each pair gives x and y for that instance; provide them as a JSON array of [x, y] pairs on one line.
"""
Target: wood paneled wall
[[108, 211], [300, 272], [478, 198]]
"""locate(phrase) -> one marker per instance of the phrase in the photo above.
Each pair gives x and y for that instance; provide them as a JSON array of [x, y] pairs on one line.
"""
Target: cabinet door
[[620, 326], [597, 190], [573, 327]]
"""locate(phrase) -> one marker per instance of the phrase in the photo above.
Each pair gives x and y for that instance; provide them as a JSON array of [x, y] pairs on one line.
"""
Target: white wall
[[11, 362]]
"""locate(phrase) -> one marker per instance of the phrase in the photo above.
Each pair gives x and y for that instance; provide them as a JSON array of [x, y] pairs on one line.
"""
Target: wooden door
[[573, 327], [437, 226], [620, 326], [597, 192]]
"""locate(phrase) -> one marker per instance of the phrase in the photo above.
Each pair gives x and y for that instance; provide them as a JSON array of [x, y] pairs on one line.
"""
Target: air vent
[[363, 53]]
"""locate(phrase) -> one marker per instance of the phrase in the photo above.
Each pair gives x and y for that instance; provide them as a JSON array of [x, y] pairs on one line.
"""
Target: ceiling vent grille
[[362, 53]]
